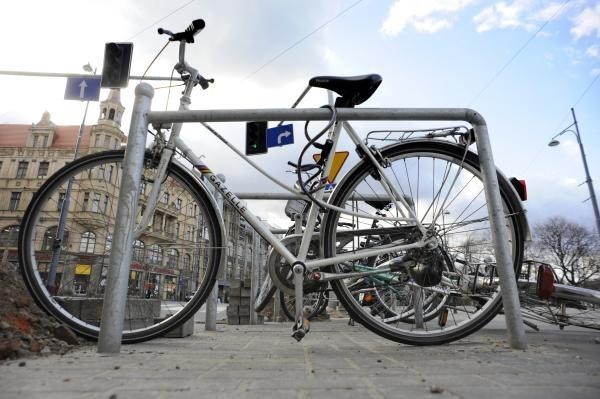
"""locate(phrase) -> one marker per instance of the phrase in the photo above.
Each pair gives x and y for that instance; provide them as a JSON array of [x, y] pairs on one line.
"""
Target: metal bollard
[[510, 293], [115, 296], [210, 323]]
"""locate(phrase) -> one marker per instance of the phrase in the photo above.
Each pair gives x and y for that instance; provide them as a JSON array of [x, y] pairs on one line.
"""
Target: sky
[[521, 63]]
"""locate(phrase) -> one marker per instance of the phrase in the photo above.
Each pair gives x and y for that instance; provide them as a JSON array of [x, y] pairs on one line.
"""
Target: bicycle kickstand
[[301, 325]]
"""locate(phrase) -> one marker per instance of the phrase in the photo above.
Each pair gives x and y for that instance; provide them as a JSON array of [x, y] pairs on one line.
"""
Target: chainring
[[281, 271]]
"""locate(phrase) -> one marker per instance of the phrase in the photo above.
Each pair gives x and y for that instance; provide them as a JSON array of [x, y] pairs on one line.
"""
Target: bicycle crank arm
[[302, 325]]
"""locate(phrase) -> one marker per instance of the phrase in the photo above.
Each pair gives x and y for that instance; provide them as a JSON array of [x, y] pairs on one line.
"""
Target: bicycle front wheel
[[65, 241], [444, 293]]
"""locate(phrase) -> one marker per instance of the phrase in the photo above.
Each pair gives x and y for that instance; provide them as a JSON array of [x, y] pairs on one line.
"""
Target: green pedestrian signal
[[256, 138]]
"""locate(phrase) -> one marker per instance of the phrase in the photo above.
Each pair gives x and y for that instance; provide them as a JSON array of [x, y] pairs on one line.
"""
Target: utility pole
[[588, 179]]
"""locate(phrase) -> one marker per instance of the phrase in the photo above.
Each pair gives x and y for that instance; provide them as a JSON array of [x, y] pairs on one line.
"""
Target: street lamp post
[[60, 231], [588, 179]]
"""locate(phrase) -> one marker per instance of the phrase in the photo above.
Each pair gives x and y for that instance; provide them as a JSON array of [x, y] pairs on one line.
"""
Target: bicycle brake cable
[[154, 59], [312, 141]]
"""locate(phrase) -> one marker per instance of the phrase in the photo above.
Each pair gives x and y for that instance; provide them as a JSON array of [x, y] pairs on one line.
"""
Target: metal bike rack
[[121, 253]]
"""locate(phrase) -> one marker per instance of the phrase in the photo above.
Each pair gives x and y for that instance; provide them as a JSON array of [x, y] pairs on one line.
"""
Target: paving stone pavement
[[335, 360]]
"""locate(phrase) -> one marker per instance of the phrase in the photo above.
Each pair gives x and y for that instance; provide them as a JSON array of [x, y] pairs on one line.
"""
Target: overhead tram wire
[[516, 54], [161, 19], [302, 39]]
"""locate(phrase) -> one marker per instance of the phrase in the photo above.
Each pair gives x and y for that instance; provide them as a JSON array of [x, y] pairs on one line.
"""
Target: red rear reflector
[[520, 186], [545, 282], [524, 185]]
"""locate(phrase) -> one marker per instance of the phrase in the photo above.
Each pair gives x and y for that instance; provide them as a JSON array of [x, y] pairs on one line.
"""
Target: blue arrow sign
[[83, 88], [280, 135]]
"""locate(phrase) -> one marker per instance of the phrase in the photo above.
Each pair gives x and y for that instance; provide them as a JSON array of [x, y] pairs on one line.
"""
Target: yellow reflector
[[338, 161], [86, 270]]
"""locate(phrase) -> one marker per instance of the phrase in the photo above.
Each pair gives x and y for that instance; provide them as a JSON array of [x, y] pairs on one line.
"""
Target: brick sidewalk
[[334, 360]]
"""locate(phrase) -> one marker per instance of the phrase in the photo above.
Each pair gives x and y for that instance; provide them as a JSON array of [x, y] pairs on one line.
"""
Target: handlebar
[[182, 67]]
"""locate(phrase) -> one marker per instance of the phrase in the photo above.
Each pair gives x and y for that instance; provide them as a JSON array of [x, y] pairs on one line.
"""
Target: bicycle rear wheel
[[437, 300], [178, 254]]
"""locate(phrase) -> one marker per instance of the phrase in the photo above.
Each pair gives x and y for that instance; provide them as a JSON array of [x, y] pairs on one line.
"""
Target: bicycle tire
[[448, 162], [192, 257]]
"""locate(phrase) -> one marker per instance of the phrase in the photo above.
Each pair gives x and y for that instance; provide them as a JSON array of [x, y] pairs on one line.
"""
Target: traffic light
[[117, 62], [256, 138]]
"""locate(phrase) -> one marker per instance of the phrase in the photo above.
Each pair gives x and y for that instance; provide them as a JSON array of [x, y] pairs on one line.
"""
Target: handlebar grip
[[196, 26], [188, 34]]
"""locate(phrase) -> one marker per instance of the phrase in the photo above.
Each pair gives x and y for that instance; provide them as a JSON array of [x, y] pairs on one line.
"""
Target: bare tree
[[571, 248]]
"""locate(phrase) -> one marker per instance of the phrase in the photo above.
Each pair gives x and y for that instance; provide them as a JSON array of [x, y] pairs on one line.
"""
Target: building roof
[[12, 135]]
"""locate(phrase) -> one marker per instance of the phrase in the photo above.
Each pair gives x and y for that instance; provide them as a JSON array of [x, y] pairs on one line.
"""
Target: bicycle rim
[[438, 300], [178, 254]]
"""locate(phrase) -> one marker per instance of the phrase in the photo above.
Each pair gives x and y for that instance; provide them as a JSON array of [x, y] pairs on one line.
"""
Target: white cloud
[[518, 14], [427, 16], [502, 15], [548, 12], [592, 51], [431, 25], [595, 72], [587, 22]]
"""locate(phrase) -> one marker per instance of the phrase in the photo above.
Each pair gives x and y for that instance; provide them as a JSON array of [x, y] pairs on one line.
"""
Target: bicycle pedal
[[299, 332]]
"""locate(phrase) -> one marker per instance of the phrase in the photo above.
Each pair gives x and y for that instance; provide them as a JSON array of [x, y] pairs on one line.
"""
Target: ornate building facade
[[30, 153]]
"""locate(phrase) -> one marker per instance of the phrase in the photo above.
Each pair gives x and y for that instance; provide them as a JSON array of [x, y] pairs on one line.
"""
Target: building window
[[173, 258], [22, 169], [61, 200], [9, 236], [116, 143], [111, 168], [35, 140], [177, 227], [50, 236], [186, 262], [86, 200], [111, 114], [165, 198], [178, 203], [97, 141], [138, 250], [105, 204], [43, 169], [44, 141], [107, 141], [101, 171], [157, 222], [96, 203], [88, 242], [155, 254], [108, 243], [143, 187], [0, 166], [15, 197]]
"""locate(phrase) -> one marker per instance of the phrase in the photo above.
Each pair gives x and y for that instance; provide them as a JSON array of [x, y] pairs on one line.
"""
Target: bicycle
[[544, 299], [395, 279]]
